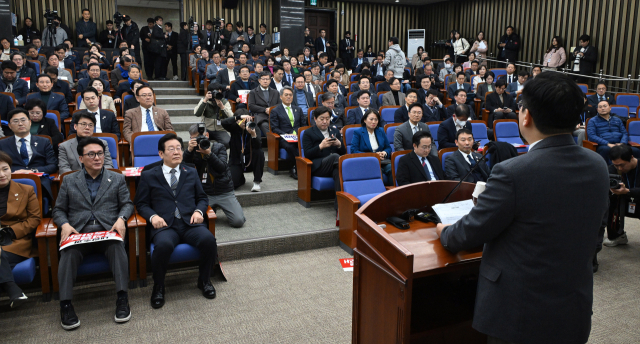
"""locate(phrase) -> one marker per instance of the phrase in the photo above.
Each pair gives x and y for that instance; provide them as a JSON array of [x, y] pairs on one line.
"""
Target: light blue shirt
[[302, 101]]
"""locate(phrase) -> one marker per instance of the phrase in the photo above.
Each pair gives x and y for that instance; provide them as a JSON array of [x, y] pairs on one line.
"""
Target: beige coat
[[106, 102]]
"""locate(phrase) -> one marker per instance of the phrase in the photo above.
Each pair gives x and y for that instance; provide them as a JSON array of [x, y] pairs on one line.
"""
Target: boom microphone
[[489, 150]]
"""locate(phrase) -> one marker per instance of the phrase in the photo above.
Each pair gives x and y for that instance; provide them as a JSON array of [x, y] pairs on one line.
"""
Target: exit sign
[[313, 2]]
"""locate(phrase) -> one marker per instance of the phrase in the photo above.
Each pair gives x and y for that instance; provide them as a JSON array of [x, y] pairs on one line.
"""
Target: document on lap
[[450, 213], [290, 137], [86, 238]]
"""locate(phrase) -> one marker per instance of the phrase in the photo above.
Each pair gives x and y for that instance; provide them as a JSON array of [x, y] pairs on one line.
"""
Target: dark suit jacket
[[354, 116], [384, 86], [122, 88], [273, 84], [588, 61], [447, 133], [43, 158], [331, 49], [374, 71], [433, 116], [88, 30], [401, 115], [20, 90], [258, 105], [6, 105], [222, 77], [372, 104], [310, 102], [56, 102], [344, 54], [451, 89], [456, 166], [551, 279], [280, 122], [108, 122], [593, 99], [493, 102], [154, 196], [48, 127], [452, 109], [232, 94], [31, 74], [311, 145], [63, 87], [410, 169], [173, 42], [158, 45], [355, 64]]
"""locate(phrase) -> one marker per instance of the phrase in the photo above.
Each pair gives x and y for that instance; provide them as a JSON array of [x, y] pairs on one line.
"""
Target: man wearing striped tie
[[171, 198], [601, 94], [419, 165]]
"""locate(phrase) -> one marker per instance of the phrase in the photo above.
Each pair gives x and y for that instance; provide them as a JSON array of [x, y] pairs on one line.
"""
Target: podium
[[407, 288]]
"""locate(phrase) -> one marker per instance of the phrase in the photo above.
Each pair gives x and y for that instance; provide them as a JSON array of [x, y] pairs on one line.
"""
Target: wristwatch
[[34, 170]]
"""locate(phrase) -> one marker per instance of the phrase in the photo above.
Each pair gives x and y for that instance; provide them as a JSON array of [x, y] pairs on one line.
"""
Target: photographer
[[52, 35], [131, 34], [109, 36], [245, 154], [210, 159], [209, 108]]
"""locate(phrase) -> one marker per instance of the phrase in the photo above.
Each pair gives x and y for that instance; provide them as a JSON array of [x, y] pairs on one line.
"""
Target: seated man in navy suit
[[29, 153], [500, 105], [460, 98], [601, 94], [364, 84], [458, 85], [433, 109], [354, 116], [458, 164], [516, 86], [10, 83], [243, 82], [419, 165], [54, 101], [58, 85], [448, 129], [93, 72], [401, 114], [357, 61], [6, 105], [106, 121], [171, 198], [287, 118]]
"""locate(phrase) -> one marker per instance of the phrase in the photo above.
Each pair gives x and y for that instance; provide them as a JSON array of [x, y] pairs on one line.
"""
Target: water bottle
[[15, 41]]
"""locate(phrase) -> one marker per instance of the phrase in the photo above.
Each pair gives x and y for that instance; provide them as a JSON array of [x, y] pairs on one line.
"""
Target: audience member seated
[[104, 101], [108, 209], [34, 56], [20, 212], [479, 78], [510, 77], [212, 111], [218, 184], [364, 84], [83, 125], [54, 101], [132, 102], [340, 100], [421, 165], [176, 214], [460, 84], [243, 82], [135, 73], [515, 87], [121, 70], [426, 84], [287, 119], [446, 69], [93, 72], [316, 74], [433, 110], [401, 114], [354, 116], [403, 136], [277, 83], [460, 98], [58, 85], [379, 70], [23, 71], [394, 97], [594, 99], [52, 61], [385, 86], [202, 65], [288, 74], [261, 99], [41, 125], [483, 89], [10, 83], [625, 164], [458, 164], [473, 71], [224, 77], [106, 121], [500, 105], [6, 105], [337, 76], [323, 145], [147, 117], [338, 119], [607, 131], [301, 98], [245, 154], [197, 50], [213, 66], [29, 153], [448, 129], [372, 138]]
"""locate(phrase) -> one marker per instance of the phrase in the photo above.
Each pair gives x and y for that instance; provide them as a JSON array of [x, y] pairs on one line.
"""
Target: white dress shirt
[[27, 142], [166, 170], [466, 156], [279, 85], [414, 128], [98, 125], [373, 140], [232, 75], [310, 86], [433, 176], [144, 119]]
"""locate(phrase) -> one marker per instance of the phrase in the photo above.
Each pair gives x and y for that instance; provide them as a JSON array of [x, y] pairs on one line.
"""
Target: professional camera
[[614, 181], [203, 141], [217, 25], [251, 125], [440, 44], [50, 15], [117, 19], [216, 94]]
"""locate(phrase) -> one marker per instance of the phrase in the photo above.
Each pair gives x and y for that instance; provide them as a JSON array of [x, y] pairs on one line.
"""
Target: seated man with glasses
[[146, 117], [106, 121], [68, 158], [92, 200]]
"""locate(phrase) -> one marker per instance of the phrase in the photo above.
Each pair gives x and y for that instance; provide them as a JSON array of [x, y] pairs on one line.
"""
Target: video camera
[[203, 141], [50, 15], [614, 181], [216, 94], [217, 24], [117, 19], [440, 44]]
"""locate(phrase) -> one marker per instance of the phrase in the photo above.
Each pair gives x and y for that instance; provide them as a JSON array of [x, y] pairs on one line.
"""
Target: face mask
[[461, 123], [448, 66], [278, 59]]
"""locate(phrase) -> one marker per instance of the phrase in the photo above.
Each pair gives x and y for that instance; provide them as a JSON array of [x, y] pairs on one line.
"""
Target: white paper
[[450, 213], [482, 45]]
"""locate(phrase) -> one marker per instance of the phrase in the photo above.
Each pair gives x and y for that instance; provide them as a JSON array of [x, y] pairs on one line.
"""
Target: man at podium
[[538, 220]]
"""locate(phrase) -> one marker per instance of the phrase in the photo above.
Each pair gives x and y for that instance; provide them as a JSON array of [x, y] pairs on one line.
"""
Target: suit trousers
[[221, 137], [264, 127], [160, 66], [174, 63], [165, 241], [149, 64], [329, 168], [184, 63], [256, 166], [291, 148], [230, 206], [8, 261], [72, 257]]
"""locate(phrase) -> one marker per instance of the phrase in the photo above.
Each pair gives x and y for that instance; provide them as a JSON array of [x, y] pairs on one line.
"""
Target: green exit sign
[[313, 2]]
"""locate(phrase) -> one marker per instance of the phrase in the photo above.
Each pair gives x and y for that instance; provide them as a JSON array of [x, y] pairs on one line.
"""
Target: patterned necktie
[[291, 118], [415, 130], [174, 185], [149, 121], [24, 154], [309, 88], [426, 169], [601, 98], [471, 161]]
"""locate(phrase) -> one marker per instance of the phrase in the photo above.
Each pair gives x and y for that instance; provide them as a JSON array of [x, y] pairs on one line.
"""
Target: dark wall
[[289, 18]]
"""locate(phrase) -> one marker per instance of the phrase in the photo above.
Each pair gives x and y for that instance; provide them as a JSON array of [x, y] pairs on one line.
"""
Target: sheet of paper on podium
[[450, 213]]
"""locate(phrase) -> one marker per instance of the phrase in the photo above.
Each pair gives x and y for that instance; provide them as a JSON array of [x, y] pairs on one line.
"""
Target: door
[[317, 20]]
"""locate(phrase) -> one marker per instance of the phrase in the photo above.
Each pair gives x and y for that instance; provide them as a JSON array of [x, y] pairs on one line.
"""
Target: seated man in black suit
[[458, 164], [460, 98], [500, 104], [287, 118], [106, 121], [132, 102], [354, 116], [364, 84], [6, 105], [419, 165], [10, 83], [171, 198], [338, 118], [243, 82], [322, 144], [433, 109], [601, 94], [448, 129], [58, 85], [226, 76], [29, 153], [401, 114], [54, 101], [385, 85], [460, 84], [357, 61], [378, 70], [93, 72], [340, 100]]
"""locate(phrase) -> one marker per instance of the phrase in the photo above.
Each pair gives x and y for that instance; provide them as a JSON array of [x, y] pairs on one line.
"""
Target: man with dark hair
[[33, 55], [586, 57], [251, 34], [472, 72], [378, 69], [364, 84], [401, 114], [509, 45], [238, 37], [460, 98], [65, 61], [86, 30], [158, 48], [434, 111], [68, 157], [213, 110], [460, 84], [517, 86], [176, 214], [213, 65], [340, 100], [243, 83], [171, 38], [287, 118], [519, 206], [301, 98], [601, 94], [278, 82], [322, 43], [92, 200], [421, 165], [309, 85], [354, 116], [263, 40], [146, 117], [54, 101], [511, 76], [132, 102], [358, 61], [338, 118], [108, 36], [24, 71], [58, 85], [105, 120], [308, 40], [402, 138], [53, 35], [94, 72], [207, 37], [52, 60], [10, 83], [131, 34], [261, 99], [346, 48], [607, 131], [121, 71], [225, 76], [448, 129], [395, 59], [145, 36], [458, 164], [243, 62], [499, 104], [245, 154]]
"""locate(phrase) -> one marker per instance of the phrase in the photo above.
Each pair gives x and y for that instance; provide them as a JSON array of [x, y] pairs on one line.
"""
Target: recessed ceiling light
[[397, 0]]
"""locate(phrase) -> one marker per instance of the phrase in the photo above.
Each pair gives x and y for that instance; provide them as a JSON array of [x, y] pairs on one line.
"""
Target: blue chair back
[[352, 88], [348, 136], [634, 131], [328, 76], [447, 79], [113, 150], [324, 88], [396, 161], [78, 100], [145, 150], [630, 100], [620, 110], [584, 88], [433, 128], [390, 132], [37, 66], [498, 72], [362, 176], [318, 99], [380, 99], [387, 114], [444, 158], [480, 133], [353, 100], [28, 182], [54, 118], [508, 132], [354, 76]]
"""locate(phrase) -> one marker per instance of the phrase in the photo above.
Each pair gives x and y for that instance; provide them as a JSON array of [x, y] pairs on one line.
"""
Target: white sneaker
[[19, 301], [256, 187], [175, 77], [621, 240]]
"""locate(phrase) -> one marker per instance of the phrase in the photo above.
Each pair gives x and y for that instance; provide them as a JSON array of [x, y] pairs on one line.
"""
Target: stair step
[[169, 83], [175, 100], [173, 91]]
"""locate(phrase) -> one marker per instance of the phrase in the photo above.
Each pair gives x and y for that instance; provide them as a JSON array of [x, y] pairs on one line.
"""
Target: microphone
[[489, 150]]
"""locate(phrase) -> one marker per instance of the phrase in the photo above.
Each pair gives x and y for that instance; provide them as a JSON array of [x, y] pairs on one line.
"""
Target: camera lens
[[204, 143], [251, 125]]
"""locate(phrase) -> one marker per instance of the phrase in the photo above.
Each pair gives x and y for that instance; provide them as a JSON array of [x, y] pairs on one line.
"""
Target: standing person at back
[[394, 58], [536, 277]]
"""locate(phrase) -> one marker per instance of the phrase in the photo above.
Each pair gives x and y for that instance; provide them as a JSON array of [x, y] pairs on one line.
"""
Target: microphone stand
[[483, 159]]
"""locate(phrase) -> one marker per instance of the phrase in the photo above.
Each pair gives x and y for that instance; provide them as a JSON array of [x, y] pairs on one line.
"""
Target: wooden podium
[[407, 288]]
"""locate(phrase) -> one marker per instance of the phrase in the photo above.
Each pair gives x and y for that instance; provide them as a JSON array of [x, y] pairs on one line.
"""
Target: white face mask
[[278, 59], [448, 66], [461, 123]]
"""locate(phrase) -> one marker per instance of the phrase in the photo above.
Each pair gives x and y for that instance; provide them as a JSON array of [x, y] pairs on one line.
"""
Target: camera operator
[[131, 34], [109, 36], [52, 35], [245, 154], [213, 108], [210, 159]]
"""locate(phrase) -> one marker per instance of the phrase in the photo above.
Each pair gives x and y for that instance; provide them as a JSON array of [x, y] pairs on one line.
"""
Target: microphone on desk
[[489, 150]]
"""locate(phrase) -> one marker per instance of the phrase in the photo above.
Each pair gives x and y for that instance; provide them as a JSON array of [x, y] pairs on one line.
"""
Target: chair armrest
[[347, 197], [304, 178], [140, 221], [52, 229], [43, 228], [633, 144], [389, 187], [589, 145], [211, 215]]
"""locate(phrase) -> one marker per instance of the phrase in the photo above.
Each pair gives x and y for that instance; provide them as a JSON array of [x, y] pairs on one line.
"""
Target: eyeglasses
[[19, 120], [86, 125], [520, 104], [93, 155], [146, 95], [174, 149]]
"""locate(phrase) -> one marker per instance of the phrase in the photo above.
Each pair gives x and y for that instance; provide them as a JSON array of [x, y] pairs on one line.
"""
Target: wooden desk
[[407, 287]]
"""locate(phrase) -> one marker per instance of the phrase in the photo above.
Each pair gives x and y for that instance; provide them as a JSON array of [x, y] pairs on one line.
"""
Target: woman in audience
[[29, 31], [41, 125], [223, 53], [369, 52], [308, 57], [371, 138], [285, 54], [555, 56], [481, 77], [132, 102], [344, 76], [488, 86], [460, 47], [193, 58], [122, 52], [295, 69], [422, 62], [271, 61], [105, 102], [395, 97], [95, 51], [6, 49], [480, 48], [472, 56], [134, 74], [417, 57], [20, 212]]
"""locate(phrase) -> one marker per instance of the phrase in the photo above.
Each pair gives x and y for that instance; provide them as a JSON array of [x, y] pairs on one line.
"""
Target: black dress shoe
[[157, 296], [68, 318], [293, 174], [207, 288], [123, 312], [595, 264]]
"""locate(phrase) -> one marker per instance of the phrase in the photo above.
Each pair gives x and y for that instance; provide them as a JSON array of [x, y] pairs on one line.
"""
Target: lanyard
[[635, 181]]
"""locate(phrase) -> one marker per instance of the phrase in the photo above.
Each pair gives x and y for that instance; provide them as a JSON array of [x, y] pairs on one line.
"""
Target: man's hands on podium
[[440, 227]]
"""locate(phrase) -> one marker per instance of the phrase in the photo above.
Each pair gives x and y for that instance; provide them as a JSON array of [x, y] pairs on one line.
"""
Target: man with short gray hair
[[287, 118]]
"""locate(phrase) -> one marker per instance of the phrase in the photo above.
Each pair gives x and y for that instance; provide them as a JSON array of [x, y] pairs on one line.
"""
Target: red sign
[[347, 264], [85, 238]]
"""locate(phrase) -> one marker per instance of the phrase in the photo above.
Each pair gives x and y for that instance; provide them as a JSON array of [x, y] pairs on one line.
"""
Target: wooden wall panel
[[612, 25]]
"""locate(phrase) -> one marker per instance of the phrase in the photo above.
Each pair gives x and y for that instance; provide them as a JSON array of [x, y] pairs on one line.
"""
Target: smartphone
[[332, 139]]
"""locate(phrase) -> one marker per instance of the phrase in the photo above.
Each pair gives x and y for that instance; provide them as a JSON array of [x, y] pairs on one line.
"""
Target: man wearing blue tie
[[419, 165], [358, 61], [601, 94], [145, 117], [288, 76]]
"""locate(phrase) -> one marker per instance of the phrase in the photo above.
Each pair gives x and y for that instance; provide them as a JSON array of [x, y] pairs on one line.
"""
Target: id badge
[[218, 122], [208, 42], [632, 208], [549, 60], [204, 178], [244, 159]]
